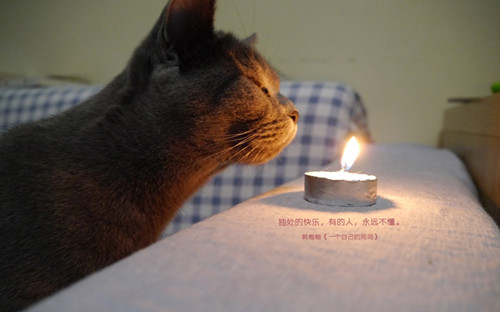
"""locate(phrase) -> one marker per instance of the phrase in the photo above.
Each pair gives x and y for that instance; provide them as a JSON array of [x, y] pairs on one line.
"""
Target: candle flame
[[351, 152]]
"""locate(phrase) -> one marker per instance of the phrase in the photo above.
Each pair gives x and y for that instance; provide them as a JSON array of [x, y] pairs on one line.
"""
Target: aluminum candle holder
[[340, 188]]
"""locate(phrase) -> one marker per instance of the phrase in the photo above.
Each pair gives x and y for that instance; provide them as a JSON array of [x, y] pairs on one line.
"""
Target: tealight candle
[[341, 188]]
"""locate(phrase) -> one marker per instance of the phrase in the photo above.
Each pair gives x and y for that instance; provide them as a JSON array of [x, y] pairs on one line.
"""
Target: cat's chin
[[267, 152]]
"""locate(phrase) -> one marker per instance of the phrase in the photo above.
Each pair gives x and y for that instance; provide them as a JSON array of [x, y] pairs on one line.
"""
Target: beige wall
[[405, 57]]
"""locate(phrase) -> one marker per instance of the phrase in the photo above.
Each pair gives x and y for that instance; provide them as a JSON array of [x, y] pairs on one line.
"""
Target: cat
[[83, 189]]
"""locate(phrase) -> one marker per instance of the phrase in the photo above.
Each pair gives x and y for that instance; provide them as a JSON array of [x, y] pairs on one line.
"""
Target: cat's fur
[[83, 189]]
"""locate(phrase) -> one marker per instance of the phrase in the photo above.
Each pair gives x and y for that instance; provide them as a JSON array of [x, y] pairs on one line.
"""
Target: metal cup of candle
[[340, 188]]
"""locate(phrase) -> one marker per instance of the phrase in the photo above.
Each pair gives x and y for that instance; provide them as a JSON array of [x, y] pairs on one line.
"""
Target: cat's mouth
[[266, 141]]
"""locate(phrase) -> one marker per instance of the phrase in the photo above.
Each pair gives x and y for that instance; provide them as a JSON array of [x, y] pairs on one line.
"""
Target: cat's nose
[[292, 111], [295, 116]]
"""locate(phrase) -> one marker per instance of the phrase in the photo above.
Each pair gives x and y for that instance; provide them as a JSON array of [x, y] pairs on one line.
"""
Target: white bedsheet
[[427, 245]]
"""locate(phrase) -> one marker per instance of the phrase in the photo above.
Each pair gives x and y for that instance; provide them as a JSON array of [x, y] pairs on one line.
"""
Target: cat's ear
[[189, 25], [251, 40]]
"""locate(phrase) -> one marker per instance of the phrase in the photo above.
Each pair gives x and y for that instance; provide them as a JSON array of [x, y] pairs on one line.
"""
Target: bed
[[427, 244]]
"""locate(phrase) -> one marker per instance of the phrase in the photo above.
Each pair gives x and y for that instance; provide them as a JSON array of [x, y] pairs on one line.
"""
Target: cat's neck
[[166, 167], [184, 175], [181, 178]]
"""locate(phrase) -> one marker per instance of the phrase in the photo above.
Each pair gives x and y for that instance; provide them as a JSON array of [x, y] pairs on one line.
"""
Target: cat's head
[[215, 90]]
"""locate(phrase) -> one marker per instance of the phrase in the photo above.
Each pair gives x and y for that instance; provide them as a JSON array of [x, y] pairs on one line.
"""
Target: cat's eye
[[265, 90]]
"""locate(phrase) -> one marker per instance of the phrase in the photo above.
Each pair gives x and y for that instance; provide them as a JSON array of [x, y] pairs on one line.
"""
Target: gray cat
[[90, 186]]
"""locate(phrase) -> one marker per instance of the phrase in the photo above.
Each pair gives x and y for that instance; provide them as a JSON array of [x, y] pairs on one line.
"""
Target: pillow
[[20, 105]]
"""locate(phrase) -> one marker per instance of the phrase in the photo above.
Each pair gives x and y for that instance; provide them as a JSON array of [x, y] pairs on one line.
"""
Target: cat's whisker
[[235, 135], [239, 144], [251, 137], [299, 20], [253, 18], [239, 152], [242, 151], [222, 152], [243, 141], [239, 17], [247, 155]]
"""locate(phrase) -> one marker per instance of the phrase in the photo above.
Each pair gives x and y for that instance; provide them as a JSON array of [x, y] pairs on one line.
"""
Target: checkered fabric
[[20, 105], [329, 112]]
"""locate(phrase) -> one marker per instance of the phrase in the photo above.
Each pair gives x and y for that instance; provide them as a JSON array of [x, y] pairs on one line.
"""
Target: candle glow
[[351, 152]]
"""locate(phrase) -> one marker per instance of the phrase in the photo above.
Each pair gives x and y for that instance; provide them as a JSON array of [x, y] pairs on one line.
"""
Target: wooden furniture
[[472, 131]]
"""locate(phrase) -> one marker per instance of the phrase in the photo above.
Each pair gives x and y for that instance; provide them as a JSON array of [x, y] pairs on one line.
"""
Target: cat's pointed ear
[[189, 24], [251, 40]]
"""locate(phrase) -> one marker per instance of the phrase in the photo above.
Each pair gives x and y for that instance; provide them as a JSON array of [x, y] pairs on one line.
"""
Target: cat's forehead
[[255, 67], [270, 77], [268, 71]]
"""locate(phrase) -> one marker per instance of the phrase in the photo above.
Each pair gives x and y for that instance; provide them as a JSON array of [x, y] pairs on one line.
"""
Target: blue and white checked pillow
[[20, 105], [329, 112]]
